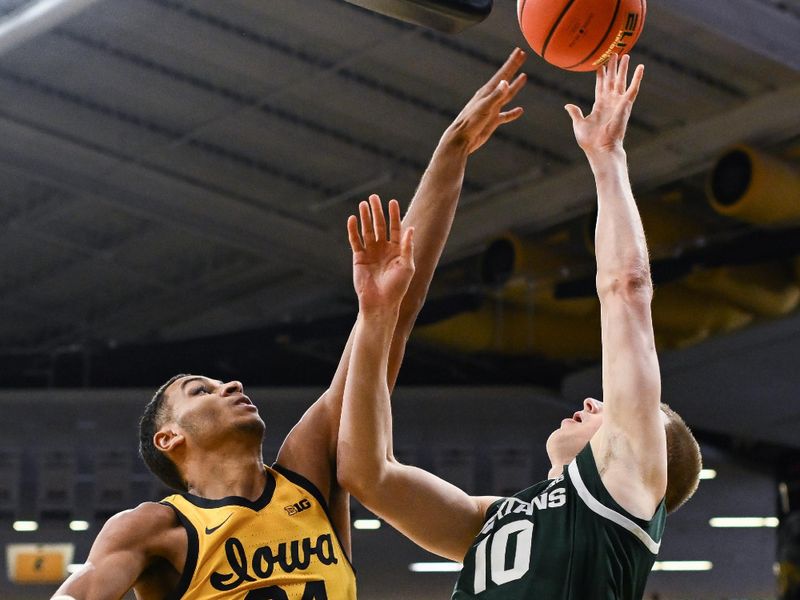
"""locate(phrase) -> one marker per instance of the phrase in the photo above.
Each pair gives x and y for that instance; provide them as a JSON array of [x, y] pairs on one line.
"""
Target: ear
[[168, 439]]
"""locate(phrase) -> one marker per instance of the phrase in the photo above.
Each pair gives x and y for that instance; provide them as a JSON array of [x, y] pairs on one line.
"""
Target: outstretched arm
[[631, 444], [311, 446], [434, 514], [433, 207]]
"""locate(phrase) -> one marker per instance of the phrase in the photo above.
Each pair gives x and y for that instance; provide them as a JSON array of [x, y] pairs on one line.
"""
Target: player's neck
[[226, 472], [555, 472]]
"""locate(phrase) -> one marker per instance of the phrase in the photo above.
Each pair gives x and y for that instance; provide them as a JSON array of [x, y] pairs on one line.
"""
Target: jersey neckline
[[256, 505]]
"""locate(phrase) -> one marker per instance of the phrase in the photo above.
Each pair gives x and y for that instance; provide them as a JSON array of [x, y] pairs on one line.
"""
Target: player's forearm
[[431, 213], [620, 245], [364, 443]]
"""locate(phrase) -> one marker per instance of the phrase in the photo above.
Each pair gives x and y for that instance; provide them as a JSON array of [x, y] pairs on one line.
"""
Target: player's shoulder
[[149, 522]]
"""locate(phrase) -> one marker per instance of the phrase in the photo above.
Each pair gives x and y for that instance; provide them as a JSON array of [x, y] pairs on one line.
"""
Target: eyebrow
[[195, 378], [189, 380]]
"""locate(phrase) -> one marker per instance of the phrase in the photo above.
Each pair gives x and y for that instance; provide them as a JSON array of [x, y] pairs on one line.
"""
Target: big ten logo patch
[[298, 507]]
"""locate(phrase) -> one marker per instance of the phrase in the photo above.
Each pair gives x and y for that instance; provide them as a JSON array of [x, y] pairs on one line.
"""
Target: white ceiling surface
[[184, 168], [428, 423]]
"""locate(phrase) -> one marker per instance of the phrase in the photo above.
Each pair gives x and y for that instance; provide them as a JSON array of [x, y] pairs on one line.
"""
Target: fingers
[[352, 234], [511, 66], [610, 78], [499, 93], [407, 245], [516, 85], [378, 218], [505, 92], [510, 115], [636, 82], [373, 224], [367, 232], [622, 74], [600, 82], [394, 220], [575, 113]]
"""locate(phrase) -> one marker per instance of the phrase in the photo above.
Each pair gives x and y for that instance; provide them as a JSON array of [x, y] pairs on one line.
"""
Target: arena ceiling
[[176, 175]]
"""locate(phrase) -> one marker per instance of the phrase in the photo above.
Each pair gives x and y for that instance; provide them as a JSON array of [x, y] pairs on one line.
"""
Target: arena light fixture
[[743, 521], [707, 474], [25, 525], [448, 16], [435, 567], [366, 524], [79, 525], [34, 18], [683, 565]]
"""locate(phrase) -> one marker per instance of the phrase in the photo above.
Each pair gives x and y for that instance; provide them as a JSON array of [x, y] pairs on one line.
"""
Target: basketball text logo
[[619, 41]]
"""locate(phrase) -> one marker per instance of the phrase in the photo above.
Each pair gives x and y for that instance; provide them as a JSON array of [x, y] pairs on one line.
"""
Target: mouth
[[577, 417], [243, 400]]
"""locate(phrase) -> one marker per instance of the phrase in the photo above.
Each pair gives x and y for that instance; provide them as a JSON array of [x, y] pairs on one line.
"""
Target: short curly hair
[[156, 413], [684, 461]]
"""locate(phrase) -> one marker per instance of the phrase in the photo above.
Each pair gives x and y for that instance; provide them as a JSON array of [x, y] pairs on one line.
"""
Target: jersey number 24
[[314, 590]]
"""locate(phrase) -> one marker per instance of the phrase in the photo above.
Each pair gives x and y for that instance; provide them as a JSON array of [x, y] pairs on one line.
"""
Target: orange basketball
[[581, 35]]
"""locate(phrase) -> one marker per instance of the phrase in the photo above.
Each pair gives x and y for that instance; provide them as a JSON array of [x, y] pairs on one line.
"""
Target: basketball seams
[[566, 33], [555, 26], [603, 40], [521, 10]]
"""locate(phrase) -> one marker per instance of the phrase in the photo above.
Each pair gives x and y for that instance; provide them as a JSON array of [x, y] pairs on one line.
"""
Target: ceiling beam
[[206, 213], [767, 119], [762, 27]]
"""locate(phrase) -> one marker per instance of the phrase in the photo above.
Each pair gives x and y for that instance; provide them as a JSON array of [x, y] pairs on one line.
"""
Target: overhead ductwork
[[509, 257], [756, 188], [682, 317], [514, 331], [768, 290], [520, 294]]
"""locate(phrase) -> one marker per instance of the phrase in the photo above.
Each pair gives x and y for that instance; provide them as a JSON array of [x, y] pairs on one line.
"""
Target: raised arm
[[434, 514], [311, 446], [631, 443], [433, 207]]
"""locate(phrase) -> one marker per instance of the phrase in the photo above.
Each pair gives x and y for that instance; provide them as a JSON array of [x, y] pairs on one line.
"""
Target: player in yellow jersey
[[242, 530]]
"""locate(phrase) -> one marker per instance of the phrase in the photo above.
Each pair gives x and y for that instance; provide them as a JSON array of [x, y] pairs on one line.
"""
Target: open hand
[[604, 129], [383, 262], [484, 112]]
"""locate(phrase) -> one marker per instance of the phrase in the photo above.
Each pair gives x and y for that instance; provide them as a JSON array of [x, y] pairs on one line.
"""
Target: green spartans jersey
[[562, 539]]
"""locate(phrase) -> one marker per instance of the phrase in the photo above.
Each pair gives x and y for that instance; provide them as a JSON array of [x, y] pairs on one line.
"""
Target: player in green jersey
[[593, 529]]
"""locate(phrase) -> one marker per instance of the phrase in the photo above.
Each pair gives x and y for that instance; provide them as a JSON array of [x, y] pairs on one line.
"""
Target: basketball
[[580, 35]]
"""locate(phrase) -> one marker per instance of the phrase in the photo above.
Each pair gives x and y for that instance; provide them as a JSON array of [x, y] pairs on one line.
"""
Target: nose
[[232, 387], [591, 406]]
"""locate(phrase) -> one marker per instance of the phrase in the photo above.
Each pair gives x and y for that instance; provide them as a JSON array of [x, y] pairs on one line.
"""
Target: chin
[[562, 448], [252, 426]]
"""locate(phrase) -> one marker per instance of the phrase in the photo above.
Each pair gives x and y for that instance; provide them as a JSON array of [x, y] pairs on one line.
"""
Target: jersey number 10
[[500, 571]]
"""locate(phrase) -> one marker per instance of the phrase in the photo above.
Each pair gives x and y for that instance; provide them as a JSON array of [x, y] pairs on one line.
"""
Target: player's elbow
[[359, 474], [632, 285]]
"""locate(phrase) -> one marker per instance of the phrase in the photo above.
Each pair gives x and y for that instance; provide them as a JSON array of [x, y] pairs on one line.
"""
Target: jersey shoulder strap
[[585, 479]]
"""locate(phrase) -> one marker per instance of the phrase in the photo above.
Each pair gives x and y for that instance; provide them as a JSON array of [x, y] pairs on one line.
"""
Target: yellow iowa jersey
[[282, 546]]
